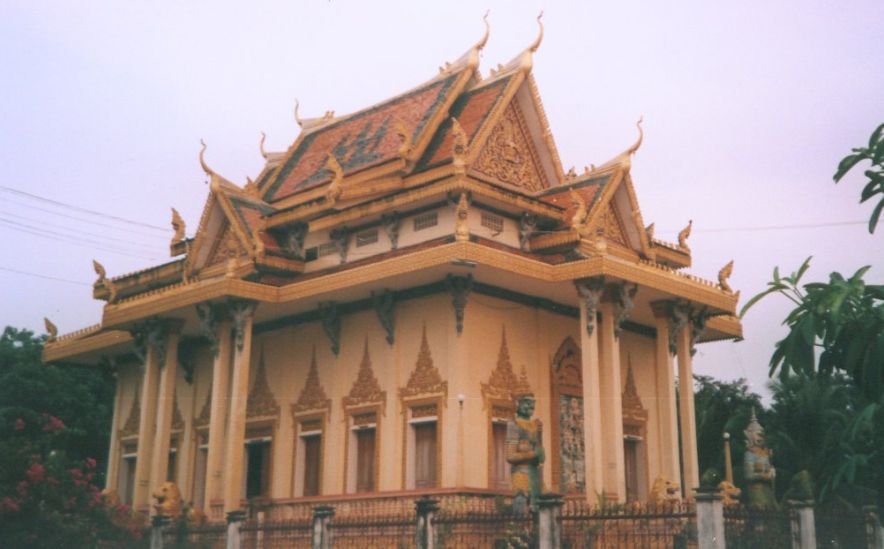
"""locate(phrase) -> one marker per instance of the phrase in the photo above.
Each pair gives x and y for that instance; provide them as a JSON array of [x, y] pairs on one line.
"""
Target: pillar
[[219, 334], [149, 338], [549, 529], [112, 477], [159, 461], [710, 520], [690, 467], [590, 294], [803, 525], [322, 515], [665, 388], [242, 313], [612, 408], [425, 535]]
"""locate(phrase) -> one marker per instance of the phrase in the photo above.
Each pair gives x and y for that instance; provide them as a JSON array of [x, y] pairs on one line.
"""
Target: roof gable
[[509, 155], [367, 138]]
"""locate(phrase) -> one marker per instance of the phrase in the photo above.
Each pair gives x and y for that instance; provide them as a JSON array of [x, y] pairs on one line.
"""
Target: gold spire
[[724, 274], [263, 137], [203, 164], [524, 61], [99, 270], [298, 118], [471, 57], [683, 237], [536, 44], [51, 329], [641, 135], [179, 226]]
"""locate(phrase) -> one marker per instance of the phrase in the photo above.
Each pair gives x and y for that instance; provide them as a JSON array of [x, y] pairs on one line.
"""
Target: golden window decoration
[[313, 395], [366, 389], [261, 402], [425, 378]]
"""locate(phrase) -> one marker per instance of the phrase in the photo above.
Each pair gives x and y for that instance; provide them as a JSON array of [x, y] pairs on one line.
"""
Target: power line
[[92, 221], [145, 245], [47, 277], [79, 209], [776, 227], [83, 242]]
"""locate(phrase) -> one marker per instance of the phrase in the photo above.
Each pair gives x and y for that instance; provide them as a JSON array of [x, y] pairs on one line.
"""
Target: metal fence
[[486, 522], [840, 528], [746, 528], [207, 536], [645, 526], [280, 534]]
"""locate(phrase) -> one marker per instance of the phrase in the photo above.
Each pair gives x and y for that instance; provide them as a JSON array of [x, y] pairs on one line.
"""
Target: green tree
[[874, 153]]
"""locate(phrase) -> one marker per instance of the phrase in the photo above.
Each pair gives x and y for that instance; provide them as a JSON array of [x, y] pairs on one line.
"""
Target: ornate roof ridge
[[78, 334]]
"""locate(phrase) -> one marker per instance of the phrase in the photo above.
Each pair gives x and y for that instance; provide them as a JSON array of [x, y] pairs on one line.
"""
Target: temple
[[356, 319]]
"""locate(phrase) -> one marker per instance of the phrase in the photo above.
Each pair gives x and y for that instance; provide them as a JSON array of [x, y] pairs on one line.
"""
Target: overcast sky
[[748, 108]]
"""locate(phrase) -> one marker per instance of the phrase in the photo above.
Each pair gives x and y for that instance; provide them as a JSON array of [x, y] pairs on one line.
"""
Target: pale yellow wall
[[640, 350]]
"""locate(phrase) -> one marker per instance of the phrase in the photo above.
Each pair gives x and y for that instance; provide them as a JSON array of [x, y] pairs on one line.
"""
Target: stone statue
[[168, 500], [524, 452], [758, 471]]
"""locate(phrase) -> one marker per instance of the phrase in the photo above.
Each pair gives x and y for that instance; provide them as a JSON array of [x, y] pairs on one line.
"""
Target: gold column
[[665, 386], [242, 313], [217, 329], [159, 461], [612, 410], [149, 338], [590, 292], [690, 467]]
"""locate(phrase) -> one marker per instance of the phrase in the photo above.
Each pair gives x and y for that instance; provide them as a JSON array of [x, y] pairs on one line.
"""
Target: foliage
[[52, 424], [842, 320], [874, 154], [722, 407]]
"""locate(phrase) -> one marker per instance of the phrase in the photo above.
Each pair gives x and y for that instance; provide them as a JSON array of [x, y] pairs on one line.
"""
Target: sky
[[748, 107]]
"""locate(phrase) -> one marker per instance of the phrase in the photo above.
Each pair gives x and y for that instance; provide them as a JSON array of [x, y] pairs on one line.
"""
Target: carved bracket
[[150, 334], [460, 287], [331, 324], [187, 358], [295, 238], [679, 316], [384, 302], [527, 228], [240, 311], [341, 238], [698, 326], [391, 223], [210, 315], [590, 291], [624, 301]]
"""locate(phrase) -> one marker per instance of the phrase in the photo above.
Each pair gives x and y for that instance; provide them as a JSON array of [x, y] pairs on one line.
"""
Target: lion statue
[[110, 497], [664, 491], [168, 500]]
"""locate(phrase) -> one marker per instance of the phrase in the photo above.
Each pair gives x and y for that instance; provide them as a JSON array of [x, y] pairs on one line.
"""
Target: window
[[312, 456], [500, 469], [365, 456], [170, 471], [256, 466], [199, 477], [493, 222], [631, 459], [425, 221], [311, 254], [425, 454], [366, 237], [327, 249]]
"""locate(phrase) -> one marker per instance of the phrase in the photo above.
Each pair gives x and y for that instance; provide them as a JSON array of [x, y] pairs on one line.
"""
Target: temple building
[[357, 318]]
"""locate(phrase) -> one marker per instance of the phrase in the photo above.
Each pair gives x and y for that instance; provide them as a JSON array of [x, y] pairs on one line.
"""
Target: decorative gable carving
[[425, 378], [633, 411], [503, 383], [366, 389], [567, 373], [261, 402], [312, 396], [611, 227], [131, 426], [508, 154]]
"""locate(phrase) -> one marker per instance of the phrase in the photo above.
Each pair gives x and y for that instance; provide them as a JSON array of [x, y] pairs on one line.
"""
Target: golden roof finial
[[649, 230], [51, 329], [203, 164], [724, 274], [683, 237], [99, 270], [261, 145], [334, 190], [533, 47], [178, 225], [481, 43], [298, 118], [641, 135]]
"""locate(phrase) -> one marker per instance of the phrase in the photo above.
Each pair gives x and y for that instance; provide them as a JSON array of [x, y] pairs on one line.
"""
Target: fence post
[[157, 525], [426, 507], [234, 522], [549, 531], [874, 531], [322, 515], [710, 519], [803, 525]]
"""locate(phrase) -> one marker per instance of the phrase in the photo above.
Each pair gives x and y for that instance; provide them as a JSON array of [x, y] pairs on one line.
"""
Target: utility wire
[[51, 235], [149, 247], [47, 277], [92, 221], [79, 209], [775, 227]]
